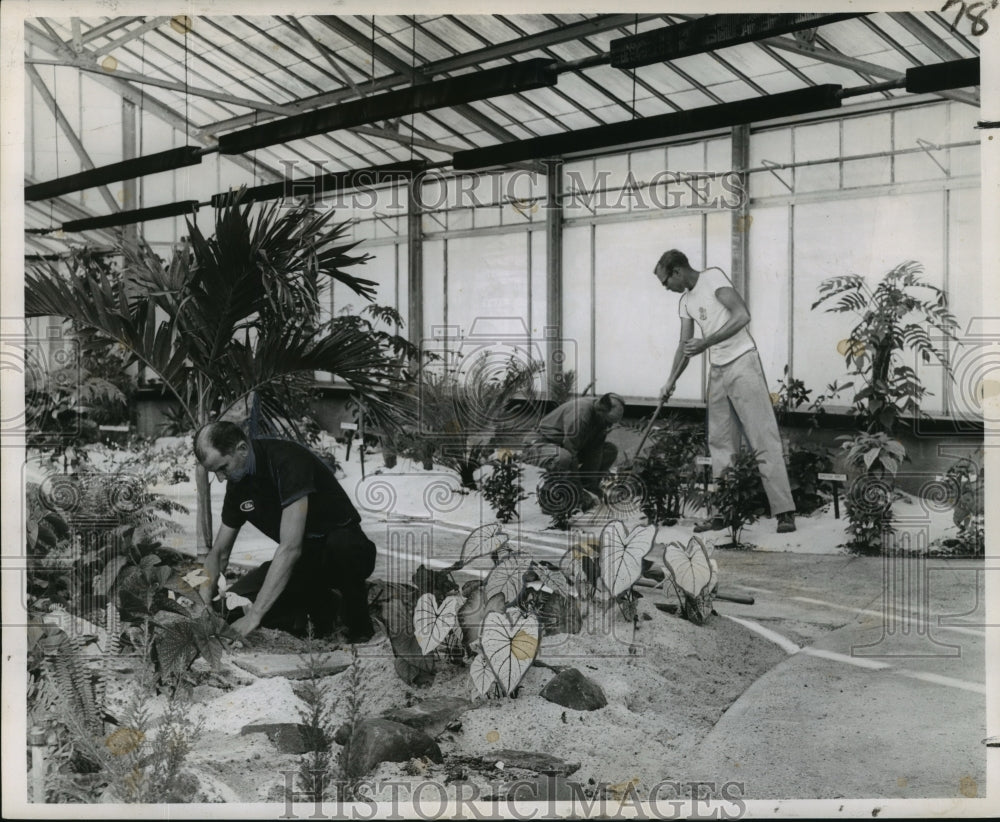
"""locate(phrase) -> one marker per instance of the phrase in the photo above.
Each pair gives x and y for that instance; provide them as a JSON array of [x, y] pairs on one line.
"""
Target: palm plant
[[232, 318]]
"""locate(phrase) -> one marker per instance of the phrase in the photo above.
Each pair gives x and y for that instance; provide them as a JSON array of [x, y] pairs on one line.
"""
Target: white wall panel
[[637, 324], [768, 288], [487, 279], [866, 236]]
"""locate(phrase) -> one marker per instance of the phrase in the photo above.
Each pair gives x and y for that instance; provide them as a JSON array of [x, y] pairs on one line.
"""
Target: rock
[[292, 666], [571, 689], [542, 788], [382, 740], [431, 716], [287, 737], [530, 761]]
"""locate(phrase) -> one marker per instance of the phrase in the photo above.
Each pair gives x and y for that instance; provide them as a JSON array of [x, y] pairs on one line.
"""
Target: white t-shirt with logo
[[701, 305]]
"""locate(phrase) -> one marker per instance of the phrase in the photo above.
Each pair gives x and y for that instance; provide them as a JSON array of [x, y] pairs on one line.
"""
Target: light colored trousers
[[739, 403]]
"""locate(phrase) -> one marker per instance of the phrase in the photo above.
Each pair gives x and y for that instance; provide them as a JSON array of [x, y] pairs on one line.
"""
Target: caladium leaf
[[433, 622], [507, 578], [622, 552], [484, 541], [690, 567], [510, 644], [482, 676]]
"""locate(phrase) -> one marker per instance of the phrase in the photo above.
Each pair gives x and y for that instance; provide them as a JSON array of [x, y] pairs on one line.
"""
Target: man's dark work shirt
[[285, 472]]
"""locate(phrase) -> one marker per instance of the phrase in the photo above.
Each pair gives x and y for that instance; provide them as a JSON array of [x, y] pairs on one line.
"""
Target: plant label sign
[[702, 460], [348, 426], [834, 478]]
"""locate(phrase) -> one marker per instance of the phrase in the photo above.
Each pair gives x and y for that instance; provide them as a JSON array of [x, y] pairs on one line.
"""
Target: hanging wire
[[635, 31], [413, 74], [55, 118]]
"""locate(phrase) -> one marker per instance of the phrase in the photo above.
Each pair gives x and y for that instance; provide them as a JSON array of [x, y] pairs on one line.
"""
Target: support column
[[554, 348], [415, 258], [130, 188], [741, 214]]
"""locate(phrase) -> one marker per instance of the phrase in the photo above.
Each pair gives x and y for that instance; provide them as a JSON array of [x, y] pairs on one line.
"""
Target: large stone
[[292, 666], [431, 716], [571, 689], [287, 737], [530, 761], [382, 740]]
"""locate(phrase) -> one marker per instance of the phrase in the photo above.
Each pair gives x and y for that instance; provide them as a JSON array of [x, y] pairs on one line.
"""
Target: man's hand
[[694, 346], [246, 624], [667, 391]]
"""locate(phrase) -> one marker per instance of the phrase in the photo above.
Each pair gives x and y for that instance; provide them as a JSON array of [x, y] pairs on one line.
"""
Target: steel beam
[[861, 66], [715, 31], [387, 58], [925, 35], [106, 28], [128, 37]]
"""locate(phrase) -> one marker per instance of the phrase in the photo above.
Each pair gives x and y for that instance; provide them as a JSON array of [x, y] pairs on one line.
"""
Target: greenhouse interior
[[594, 383]]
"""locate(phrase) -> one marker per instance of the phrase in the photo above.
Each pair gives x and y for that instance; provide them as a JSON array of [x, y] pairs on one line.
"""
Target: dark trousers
[[586, 468], [327, 586]]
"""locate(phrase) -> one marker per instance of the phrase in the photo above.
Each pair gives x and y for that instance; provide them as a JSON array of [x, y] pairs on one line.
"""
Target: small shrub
[[503, 489], [739, 497], [869, 499], [668, 473], [317, 768], [805, 463]]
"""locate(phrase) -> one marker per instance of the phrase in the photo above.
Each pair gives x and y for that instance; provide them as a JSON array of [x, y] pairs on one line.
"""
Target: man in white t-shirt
[[738, 399]]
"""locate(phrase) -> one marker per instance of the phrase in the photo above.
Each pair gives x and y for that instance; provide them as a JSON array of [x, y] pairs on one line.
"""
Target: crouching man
[[293, 497], [571, 445]]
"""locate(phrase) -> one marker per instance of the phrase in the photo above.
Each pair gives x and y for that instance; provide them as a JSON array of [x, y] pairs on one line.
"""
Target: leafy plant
[[562, 387], [348, 759], [502, 489], [805, 462], [893, 318], [316, 769], [739, 497], [232, 319], [668, 473], [694, 575], [464, 415], [876, 458]]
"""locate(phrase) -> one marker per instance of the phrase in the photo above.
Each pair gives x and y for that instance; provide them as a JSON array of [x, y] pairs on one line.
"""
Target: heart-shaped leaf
[[485, 540], [690, 568], [621, 554], [433, 622], [507, 578], [482, 676], [474, 610], [410, 663], [510, 644]]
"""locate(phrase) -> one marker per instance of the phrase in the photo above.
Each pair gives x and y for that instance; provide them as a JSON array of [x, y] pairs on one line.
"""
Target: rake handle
[[649, 428]]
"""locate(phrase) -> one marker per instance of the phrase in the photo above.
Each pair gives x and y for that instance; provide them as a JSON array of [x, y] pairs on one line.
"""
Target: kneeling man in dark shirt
[[293, 497]]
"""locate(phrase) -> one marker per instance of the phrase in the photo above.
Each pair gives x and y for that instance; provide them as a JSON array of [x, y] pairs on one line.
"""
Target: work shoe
[[786, 522], [713, 524]]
